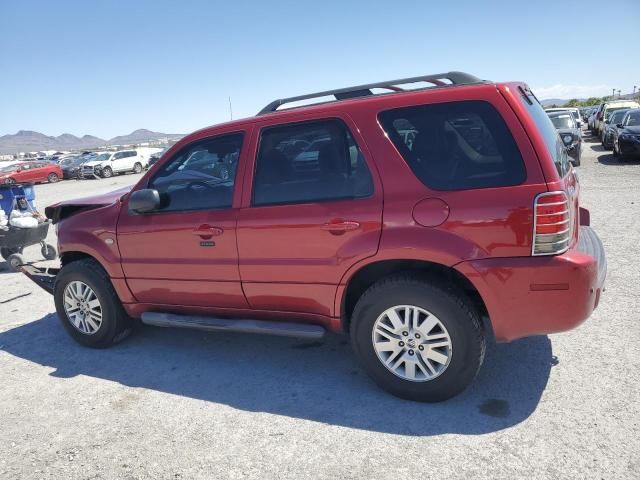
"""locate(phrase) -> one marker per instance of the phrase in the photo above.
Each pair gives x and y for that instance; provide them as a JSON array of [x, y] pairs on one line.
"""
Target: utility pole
[[619, 92], [634, 91], [230, 110], [613, 94]]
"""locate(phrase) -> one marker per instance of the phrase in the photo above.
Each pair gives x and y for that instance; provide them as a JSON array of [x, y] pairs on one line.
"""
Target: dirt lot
[[178, 404]]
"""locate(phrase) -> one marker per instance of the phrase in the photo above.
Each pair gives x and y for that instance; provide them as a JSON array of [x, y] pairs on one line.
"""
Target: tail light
[[551, 223]]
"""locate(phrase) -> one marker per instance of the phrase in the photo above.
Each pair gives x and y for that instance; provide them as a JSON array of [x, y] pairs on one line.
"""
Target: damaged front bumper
[[43, 277]]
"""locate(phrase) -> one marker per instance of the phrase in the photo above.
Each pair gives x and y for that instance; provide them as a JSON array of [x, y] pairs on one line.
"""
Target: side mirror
[[145, 200], [619, 125]]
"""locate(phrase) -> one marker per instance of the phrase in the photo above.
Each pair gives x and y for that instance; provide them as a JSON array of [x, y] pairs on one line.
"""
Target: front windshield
[[633, 119], [617, 116], [562, 121], [102, 157], [608, 113], [68, 161], [7, 168]]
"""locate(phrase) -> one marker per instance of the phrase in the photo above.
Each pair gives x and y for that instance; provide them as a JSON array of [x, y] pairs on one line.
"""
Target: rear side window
[[548, 131], [456, 146], [309, 162]]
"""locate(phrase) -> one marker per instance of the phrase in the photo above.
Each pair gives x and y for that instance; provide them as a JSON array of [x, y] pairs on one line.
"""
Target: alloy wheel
[[412, 343], [82, 306]]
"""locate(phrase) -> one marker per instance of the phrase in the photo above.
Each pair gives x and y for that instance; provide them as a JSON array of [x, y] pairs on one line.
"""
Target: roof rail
[[456, 78]]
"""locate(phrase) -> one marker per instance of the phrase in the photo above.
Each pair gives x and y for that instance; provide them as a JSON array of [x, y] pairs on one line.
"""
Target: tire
[[49, 252], [137, 167], [576, 162], [615, 151], [14, 261], [448, 306], [6, 252], [10, 181], [114, 325], [107, 172], [53, 177]]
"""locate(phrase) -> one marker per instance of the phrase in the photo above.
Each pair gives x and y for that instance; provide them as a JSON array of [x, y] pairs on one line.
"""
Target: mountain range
[[561, 101], [29, 141]]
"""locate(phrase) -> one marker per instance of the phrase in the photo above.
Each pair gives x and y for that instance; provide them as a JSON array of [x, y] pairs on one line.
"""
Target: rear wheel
[[107, 172], [10, 181], [417, 339], [53, 177], [5, 252], [137, 168], [88, 306], [14, 261]]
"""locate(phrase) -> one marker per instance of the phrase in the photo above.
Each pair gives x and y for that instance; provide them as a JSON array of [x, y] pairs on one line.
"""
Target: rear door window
[[457, 145], [309, 162]]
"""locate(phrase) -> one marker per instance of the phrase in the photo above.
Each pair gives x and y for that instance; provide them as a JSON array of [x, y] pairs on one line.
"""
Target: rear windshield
[[548, 131], [564, 120]]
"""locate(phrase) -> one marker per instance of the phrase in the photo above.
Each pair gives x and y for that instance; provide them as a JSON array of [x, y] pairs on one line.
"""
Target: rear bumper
[[540, 295]]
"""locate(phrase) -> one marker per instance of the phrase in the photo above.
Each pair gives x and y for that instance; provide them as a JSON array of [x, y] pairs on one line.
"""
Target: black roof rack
[[456, 78]]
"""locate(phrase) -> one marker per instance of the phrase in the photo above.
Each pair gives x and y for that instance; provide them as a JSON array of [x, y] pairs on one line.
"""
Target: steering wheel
[[199, 183]]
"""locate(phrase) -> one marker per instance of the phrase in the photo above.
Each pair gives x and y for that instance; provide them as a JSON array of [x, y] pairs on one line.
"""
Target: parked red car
[[421, 222], [30, 172]]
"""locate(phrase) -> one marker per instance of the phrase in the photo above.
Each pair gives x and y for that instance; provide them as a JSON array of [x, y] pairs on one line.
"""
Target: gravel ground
[[179, 404]]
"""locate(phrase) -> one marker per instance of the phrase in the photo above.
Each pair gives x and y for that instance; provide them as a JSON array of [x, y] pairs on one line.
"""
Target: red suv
[[420, 221], [30, 172]]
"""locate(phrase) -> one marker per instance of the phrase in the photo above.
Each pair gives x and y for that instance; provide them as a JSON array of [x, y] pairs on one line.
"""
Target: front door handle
[[207, 231], [338, 227]]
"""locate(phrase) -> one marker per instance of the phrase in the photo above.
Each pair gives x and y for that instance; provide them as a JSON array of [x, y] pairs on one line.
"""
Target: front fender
[[93, 233]]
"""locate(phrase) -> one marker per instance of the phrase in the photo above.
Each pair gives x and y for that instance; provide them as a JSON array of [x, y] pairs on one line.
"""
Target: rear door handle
[[207, 231], [338, 227]]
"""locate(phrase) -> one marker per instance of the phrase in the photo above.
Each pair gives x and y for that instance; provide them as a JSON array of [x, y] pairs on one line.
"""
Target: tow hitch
[[43, 277]]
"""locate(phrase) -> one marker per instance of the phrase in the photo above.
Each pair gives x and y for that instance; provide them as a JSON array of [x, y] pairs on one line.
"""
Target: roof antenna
[[230, 110]]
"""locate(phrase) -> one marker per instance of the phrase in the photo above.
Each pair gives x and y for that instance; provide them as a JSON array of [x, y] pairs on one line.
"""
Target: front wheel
[[48, 251], [10, 181], [417, 339], [53, 177], [88, 306], [107, 172], [14, 261], [6, 252], [137, 168]]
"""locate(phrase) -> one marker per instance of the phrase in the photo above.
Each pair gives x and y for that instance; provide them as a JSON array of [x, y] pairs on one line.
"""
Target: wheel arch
[[119, 284], [370, 273]]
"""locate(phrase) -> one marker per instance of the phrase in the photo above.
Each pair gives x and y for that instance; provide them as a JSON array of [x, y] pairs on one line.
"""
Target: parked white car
[[106, 164]]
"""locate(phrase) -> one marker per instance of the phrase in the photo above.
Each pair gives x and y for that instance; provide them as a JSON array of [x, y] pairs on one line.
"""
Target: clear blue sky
[[108, 67]]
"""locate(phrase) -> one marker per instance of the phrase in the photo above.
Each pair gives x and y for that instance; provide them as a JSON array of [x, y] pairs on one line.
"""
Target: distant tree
[[572, 103]]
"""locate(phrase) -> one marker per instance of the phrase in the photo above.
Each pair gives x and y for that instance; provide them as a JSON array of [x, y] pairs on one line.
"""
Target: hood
[[62, 210], [634, 130], [93, 163]]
